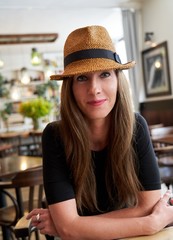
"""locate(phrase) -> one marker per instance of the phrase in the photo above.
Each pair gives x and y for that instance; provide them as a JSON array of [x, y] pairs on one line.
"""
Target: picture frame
[[156, 70]]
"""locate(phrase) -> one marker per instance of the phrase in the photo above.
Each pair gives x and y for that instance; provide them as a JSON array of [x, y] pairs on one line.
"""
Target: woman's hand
[[162, 213], [41, 219]]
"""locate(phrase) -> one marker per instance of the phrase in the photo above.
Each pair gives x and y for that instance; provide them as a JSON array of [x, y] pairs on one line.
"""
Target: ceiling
[[59, 16]]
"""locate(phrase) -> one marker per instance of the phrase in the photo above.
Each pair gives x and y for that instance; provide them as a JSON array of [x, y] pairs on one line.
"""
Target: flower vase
[[36, 123]]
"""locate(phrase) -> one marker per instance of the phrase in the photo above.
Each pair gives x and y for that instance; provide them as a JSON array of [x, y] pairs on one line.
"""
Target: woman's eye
[[81, 78], [105, 74]]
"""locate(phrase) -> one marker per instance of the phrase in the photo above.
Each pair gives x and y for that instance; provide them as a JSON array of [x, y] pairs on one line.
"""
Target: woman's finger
[[166, 196]]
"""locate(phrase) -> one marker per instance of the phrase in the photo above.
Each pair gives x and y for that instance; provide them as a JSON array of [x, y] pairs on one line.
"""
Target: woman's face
[[95, 93]]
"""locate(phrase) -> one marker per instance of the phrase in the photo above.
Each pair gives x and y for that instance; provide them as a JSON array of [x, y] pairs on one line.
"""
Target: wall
[[157, 17]]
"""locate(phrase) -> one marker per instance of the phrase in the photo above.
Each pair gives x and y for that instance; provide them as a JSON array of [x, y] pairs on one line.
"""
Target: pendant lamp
[[1, 63], [35, 57]]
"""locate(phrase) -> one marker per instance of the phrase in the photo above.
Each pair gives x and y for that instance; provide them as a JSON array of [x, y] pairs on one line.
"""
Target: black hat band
[[91, 53]]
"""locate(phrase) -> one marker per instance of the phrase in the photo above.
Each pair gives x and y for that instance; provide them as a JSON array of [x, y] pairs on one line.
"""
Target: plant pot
[[36, 123]]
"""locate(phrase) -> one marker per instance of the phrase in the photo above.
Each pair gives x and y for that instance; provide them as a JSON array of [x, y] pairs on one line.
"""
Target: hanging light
[[25, 78], [35, 57], [1, 63], [49, 69], [15, 92]]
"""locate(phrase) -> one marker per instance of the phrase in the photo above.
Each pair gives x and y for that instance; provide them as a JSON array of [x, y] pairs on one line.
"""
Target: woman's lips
[[96, 102]]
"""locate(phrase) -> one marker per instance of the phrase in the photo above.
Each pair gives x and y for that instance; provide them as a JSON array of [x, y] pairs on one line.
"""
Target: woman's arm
[[69, 225], [146, 202]]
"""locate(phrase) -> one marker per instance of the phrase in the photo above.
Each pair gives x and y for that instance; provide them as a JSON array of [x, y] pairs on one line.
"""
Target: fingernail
[[170, 201]]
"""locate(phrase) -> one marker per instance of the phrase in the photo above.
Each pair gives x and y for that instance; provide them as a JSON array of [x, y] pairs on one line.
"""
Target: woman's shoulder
[[140, 120], [52, 129], [139, 117], [141, 125], [52, 125]]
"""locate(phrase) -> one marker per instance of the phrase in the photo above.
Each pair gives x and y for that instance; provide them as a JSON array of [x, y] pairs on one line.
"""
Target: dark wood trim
[[156, 112], [27, 38]]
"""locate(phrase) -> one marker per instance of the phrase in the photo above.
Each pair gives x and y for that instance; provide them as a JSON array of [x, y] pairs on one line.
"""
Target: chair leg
[[49, 237], [37, 235]]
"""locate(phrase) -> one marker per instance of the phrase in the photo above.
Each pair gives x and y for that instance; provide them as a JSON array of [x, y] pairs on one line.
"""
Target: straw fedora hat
[[89, 49]]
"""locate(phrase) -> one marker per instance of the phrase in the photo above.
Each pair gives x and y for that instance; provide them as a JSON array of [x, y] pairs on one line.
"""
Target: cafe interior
[[32, 35]]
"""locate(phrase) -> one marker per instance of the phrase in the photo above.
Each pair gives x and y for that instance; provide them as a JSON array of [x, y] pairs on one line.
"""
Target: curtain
[[129, 19]]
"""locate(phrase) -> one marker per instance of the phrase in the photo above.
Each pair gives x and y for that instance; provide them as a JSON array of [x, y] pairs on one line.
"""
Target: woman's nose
[[94, 86]]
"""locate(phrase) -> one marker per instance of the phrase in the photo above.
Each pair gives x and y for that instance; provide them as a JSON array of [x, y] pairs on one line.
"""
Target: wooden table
[[14, 164], [4, 148], [161, 131], [13, 135], [167, 139], [13, 138], [24, 142]]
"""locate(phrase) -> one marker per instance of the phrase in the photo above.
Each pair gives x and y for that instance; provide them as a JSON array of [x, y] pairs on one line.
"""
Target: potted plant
[[5, 113], [35, 109]]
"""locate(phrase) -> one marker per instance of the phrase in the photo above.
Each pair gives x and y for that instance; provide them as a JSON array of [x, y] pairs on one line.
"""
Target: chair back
[[162, 138], [33, 180], [28, 178], [37, 142], [27, 188]]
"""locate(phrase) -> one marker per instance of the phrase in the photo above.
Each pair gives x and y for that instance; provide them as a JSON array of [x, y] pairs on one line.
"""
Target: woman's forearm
[[96, 228]]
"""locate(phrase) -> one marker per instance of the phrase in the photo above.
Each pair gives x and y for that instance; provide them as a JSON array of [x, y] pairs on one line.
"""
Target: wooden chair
[[7, 150], [165, 162], [31, 144], [23, 227], [164, 152], [159, 134], [25, 191], [37, 142]]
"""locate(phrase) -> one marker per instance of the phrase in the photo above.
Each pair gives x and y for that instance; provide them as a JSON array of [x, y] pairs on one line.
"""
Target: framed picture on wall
[[156, 70]]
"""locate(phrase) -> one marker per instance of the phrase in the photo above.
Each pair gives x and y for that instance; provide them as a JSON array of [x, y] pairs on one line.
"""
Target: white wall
[[157, 17], [18, 56]]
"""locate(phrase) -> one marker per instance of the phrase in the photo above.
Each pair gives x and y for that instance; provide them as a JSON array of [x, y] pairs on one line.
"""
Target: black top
[[57, 183]]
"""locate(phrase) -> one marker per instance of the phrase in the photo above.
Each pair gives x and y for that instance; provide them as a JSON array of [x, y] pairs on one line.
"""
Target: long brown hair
[[121, 170]]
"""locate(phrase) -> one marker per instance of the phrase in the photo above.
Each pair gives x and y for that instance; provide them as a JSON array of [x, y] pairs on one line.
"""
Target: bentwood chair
[[23, 227], [19, 196], [164, 152]]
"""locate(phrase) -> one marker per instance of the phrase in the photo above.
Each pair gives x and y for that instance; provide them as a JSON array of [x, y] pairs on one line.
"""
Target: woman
[[100, 172]]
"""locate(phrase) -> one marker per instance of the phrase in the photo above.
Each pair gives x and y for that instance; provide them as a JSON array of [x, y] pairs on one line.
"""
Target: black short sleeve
[[148, 166], [57, 183]]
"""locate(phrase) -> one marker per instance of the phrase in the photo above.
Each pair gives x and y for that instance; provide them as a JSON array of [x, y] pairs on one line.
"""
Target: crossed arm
[[150, 216]]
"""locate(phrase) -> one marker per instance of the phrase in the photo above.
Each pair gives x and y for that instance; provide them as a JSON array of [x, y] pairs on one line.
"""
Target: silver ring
[[38, 217]]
